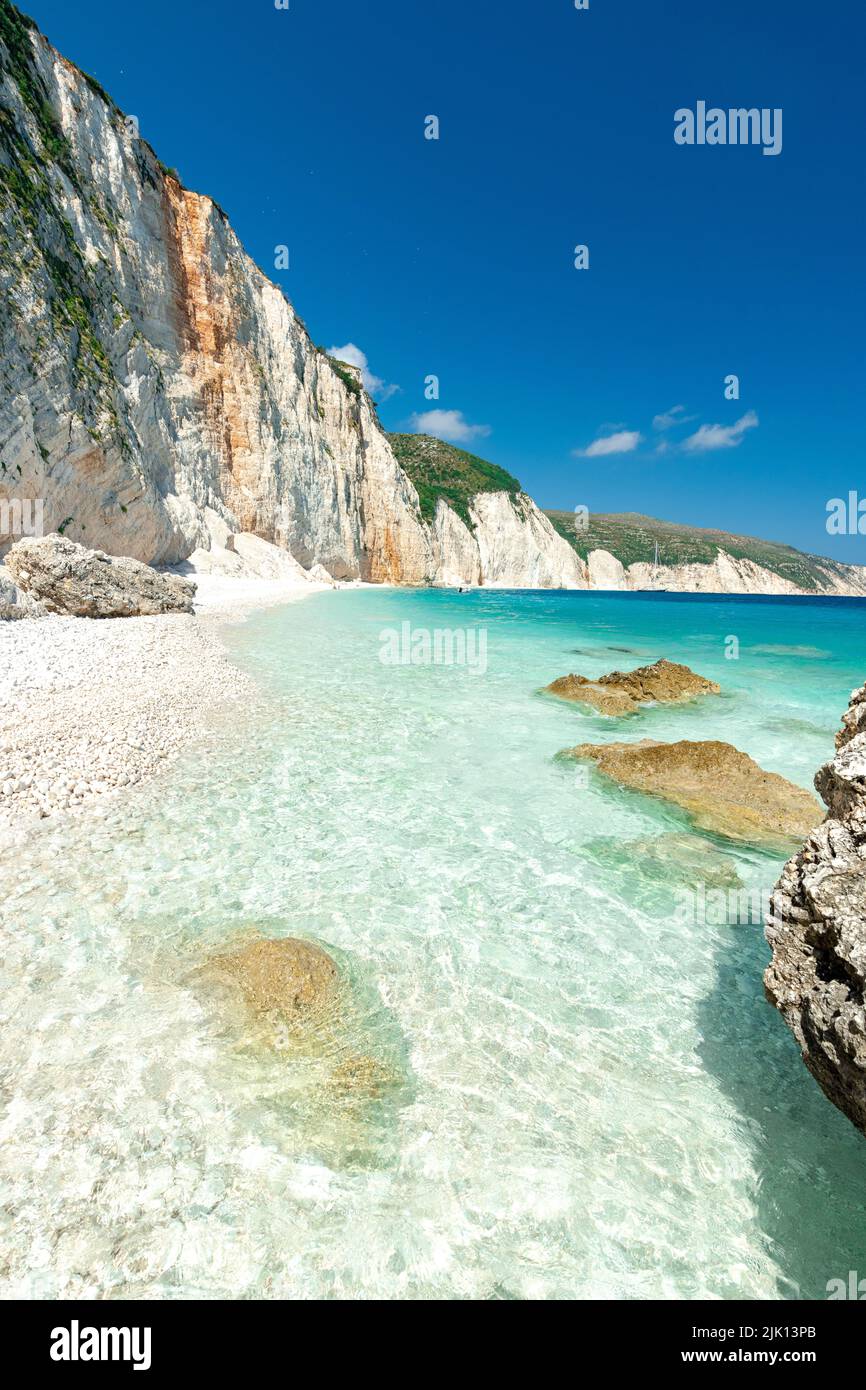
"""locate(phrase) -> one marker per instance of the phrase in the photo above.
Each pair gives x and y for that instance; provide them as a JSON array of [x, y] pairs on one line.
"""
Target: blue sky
[[456, 257]]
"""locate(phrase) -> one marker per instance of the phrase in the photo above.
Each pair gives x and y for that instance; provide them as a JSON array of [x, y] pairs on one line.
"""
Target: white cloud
[[720, 436], [448, 424], [373, 385], [669, 419], [624, 442]]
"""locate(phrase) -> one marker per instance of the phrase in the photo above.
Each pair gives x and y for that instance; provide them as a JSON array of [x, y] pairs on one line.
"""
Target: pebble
[[89, 707]]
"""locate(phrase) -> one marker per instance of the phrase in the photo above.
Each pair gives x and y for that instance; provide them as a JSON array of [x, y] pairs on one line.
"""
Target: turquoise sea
[[586, 1093]]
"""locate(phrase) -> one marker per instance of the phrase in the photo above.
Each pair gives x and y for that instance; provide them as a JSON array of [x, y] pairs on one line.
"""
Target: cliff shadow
[[810, 1161]]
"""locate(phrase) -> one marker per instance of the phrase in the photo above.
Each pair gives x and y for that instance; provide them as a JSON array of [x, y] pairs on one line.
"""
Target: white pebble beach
[[91, 706]]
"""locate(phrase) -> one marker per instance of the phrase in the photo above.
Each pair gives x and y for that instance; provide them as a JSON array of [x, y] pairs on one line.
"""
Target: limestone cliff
[[628, 550], [726, 574], [817, 929], [732, 574], [159, 393], [511, 545], [155, 381]]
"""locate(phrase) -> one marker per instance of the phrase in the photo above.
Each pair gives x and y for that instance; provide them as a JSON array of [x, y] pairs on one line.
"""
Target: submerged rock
[[676, 856], [816, 929], [285, 976], [68, 578], [623, 692], [724, 790], [362, 1077]]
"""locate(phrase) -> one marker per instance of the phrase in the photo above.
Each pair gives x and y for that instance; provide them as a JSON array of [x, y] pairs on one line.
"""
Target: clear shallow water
[[591, 1097]]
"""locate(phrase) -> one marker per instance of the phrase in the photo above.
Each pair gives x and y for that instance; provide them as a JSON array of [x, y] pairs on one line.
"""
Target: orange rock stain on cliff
[[214, 357], [385, 564]]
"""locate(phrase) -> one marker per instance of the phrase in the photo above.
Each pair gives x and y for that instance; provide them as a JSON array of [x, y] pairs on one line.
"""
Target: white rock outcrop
[[605, 571]]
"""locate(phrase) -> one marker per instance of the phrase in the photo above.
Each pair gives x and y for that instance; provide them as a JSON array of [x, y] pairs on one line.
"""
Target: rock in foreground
[[623, 692], [285, 976], [817, 929], [721, 788], [68, 578]]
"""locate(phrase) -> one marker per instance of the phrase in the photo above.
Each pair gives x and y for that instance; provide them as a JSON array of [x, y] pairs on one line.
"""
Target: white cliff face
[[511, 545], [725, 575], [605, 571], [156, 384], [455, 549], [518, 547], [729, 575], [152, 371], [849, 580]]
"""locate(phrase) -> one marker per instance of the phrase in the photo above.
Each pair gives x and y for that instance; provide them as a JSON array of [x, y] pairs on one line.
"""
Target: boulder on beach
[[68, 578], [623, 692], [285, 976], [721, 788]]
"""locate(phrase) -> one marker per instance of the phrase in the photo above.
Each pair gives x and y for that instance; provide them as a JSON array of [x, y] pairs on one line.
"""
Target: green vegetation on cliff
[[439, 470], [40, 259], [632, 538], [349, 380], [15, 30]]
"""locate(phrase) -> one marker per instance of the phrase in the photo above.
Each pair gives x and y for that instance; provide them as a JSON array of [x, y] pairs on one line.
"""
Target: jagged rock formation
[[722, 789], [623, 692], [817, 929], [154, 378], [66, 578]]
